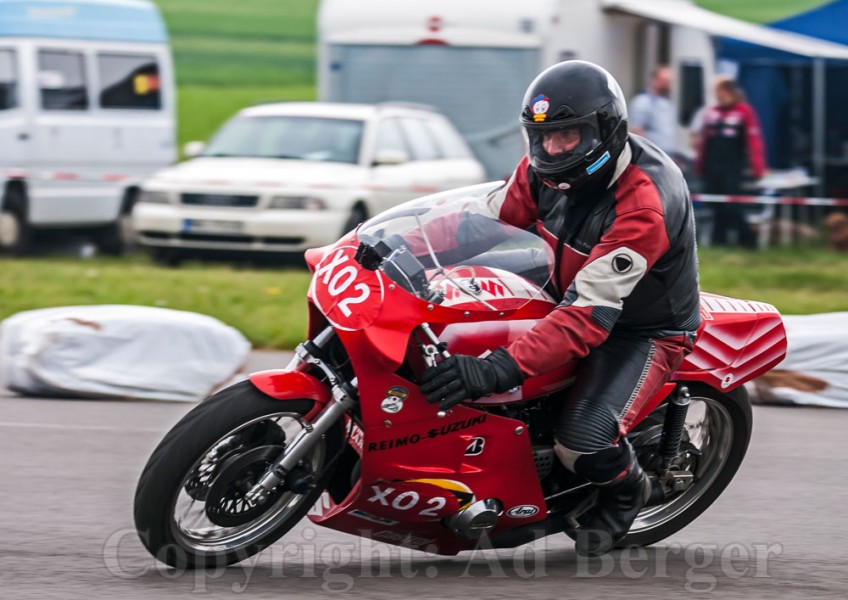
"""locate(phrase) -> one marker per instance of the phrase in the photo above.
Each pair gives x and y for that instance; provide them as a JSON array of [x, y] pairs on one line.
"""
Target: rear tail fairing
[[738, 340]]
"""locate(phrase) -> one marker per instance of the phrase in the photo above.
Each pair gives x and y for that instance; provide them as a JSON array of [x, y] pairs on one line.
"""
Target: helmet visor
[[556, 147]]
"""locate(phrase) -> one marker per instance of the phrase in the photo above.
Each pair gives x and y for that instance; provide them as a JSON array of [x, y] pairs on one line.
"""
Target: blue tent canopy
[[827, 22]]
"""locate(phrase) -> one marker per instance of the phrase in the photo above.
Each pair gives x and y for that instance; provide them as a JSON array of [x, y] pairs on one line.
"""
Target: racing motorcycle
[[345, 435]]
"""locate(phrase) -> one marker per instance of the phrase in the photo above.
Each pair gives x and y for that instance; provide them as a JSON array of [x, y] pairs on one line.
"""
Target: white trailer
[[86, 112], [473, 59]]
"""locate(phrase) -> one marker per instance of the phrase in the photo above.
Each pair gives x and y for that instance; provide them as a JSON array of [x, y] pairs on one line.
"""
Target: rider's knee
[[586, 426]]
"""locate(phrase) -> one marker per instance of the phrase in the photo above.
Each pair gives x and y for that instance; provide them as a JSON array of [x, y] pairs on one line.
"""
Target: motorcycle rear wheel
[[190, 509], [718, 426]]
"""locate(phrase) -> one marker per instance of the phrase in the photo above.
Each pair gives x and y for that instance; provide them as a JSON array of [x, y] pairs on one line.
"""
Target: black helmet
[[577, 107]]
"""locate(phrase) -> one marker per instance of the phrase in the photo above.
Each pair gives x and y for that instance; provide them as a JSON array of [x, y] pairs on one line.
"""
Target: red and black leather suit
[[627, 270]]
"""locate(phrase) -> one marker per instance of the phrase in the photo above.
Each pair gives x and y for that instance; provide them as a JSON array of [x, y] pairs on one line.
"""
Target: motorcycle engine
[[545, 459]]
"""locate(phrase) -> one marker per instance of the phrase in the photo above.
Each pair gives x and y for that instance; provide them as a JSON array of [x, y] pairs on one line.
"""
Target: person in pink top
[[730, 151]]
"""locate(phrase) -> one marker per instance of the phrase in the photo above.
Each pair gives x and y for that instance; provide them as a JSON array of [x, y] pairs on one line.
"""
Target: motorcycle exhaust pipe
[[556, 523]]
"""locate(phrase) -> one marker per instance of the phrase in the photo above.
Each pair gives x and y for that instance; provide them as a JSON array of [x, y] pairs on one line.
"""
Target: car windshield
[[291, 137], [452, 249]]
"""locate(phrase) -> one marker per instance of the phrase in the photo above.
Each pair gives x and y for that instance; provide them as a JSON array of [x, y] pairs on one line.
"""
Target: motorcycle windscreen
[[452, 249]]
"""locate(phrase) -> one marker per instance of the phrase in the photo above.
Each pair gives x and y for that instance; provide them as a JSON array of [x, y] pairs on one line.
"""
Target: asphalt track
[[68, 470]]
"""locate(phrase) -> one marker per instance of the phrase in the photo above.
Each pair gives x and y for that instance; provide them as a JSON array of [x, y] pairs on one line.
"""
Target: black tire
[[175, 468], [119, 238], [358, 214], [731, 416], [165, 257], [116, 238], [15, 231]]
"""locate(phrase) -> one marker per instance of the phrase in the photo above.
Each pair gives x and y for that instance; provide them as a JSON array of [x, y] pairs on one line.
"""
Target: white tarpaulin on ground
[[815, 371], [133, 352]]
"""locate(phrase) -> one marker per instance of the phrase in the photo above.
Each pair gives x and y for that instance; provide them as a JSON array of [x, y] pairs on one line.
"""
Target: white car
[[286, 177]]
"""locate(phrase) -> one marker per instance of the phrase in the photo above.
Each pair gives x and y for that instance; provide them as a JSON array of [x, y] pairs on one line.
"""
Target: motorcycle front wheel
[[718, 429], [190, 507]]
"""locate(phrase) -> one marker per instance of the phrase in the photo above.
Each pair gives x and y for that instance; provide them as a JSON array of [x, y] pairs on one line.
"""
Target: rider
[[617, 212]]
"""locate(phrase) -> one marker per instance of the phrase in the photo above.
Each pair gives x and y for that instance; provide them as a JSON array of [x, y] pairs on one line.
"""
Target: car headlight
[[297, 203], [154, 197]]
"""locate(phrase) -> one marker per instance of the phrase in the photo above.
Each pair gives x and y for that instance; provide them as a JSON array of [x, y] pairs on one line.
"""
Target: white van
[[86, 112]]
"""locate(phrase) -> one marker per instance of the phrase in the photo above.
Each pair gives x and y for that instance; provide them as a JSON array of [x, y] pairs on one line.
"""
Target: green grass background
[[229, 55], [269, 305]]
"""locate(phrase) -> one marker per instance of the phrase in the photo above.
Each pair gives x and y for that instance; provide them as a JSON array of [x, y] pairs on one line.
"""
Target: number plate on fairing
[[348, 295], [417, 500]]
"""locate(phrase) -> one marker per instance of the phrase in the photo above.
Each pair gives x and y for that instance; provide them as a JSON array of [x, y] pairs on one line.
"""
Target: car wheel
[[166, 257], [357, 215], [119, 237], [15, 232]]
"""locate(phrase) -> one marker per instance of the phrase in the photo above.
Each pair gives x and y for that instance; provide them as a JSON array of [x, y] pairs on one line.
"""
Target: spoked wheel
[[718, 429], [191, 505]]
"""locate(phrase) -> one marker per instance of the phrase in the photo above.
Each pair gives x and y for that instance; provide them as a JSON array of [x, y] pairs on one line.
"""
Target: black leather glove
[[462, 377]]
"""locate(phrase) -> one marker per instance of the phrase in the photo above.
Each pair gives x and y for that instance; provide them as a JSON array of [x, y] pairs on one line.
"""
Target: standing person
[[730, 150], [652, 114], [617, 212]]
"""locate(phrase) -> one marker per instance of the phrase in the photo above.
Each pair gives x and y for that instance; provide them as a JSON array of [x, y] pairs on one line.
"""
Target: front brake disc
[[226, 502]]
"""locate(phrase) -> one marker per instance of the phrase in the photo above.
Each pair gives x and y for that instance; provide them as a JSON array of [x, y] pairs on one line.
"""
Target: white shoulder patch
[[608, 280]]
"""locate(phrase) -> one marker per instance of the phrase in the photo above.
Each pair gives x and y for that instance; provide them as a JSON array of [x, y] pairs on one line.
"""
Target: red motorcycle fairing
[[738, 340], [416, 470], [350, 297], [314, 255], [282, 384]]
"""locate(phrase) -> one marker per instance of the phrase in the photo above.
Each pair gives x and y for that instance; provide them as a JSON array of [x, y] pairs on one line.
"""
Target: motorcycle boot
[[623, 490], [619, 502]]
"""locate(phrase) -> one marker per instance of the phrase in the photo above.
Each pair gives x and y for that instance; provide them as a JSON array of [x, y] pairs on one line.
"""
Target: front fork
[[344, 397], [343, 393]]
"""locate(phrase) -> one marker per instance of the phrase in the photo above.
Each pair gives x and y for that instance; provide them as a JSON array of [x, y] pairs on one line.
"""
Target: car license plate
[[210, 226]]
